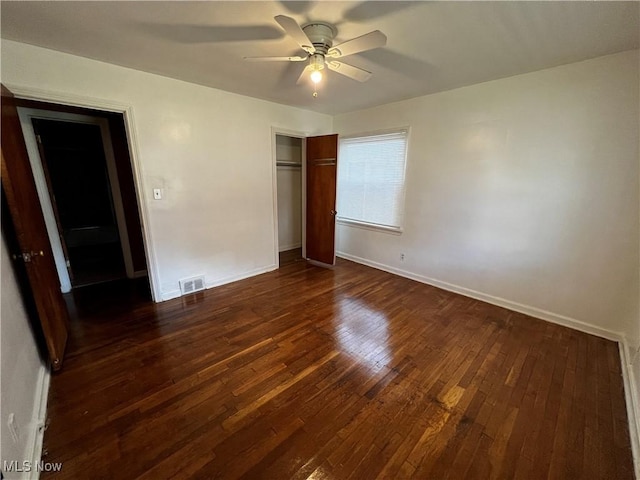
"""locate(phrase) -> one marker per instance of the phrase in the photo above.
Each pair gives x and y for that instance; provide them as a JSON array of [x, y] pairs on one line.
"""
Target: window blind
[[371, 175]]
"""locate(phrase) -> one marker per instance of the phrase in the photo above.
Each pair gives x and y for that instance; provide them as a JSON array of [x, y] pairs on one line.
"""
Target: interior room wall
[[521, 191], [22, 371], [208, 151]]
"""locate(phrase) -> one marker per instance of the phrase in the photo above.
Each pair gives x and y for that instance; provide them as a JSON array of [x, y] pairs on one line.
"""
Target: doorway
[[310, 164], [82, 195], [289, 181], [86, 188]]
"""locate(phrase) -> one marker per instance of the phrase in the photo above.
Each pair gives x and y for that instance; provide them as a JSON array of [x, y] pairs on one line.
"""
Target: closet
[[289, 188]]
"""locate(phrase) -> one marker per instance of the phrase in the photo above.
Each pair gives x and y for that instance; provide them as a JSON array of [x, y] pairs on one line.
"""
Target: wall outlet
[[402, 257], [13, 427]]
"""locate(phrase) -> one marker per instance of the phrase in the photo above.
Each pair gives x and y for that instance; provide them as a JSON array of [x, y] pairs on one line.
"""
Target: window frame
[[401, 203]]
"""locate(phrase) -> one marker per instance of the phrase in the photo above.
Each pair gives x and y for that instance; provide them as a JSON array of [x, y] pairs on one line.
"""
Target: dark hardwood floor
[[332, 374], [290, 256]]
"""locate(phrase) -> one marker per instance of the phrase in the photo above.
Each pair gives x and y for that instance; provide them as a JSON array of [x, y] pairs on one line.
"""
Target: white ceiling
[[432, 46]]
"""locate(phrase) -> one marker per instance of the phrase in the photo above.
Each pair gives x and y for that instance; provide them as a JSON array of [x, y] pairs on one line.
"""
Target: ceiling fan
[[316, 39]]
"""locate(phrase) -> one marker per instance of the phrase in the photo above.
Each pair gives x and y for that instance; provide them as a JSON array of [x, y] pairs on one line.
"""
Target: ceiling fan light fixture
[[316, 76], [316, 62]]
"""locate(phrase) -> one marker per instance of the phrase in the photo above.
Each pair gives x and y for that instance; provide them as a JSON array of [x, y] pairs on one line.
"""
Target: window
[[371, 180]]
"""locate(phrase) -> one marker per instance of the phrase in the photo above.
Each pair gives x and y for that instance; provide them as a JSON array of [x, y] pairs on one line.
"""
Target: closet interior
[[289, 185]]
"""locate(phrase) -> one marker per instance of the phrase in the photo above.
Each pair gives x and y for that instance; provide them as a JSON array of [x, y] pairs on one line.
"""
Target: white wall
[[521, 191], [289, 208], [208, 150], [21, 370]]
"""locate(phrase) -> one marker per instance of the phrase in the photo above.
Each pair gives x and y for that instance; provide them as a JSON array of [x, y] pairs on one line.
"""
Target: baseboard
[[171, 294], [242, 276], [289, 247], [500, 302], [39, 421], [631, 397]]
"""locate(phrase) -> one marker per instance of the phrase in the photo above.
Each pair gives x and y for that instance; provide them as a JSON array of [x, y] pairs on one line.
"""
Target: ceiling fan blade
[[304, 75], [276, 59], [350, 71], [295, 31], [368, 41]]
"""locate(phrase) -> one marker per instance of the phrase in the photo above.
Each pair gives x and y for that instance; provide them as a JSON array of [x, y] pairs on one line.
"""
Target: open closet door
[[322, 158], [31, 232]]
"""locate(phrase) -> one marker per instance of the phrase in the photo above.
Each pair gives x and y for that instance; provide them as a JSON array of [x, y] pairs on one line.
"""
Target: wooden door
[[31, 232], [322, 158]]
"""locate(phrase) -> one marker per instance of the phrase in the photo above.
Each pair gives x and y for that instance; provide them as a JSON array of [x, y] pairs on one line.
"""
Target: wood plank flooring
[[350, 373], [290, 256]]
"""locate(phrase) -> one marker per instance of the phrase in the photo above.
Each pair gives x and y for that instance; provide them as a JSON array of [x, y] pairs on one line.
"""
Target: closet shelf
[[286, 163]]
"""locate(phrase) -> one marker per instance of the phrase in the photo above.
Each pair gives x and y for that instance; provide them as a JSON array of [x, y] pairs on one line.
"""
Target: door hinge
[[28, 256], [38, 138]]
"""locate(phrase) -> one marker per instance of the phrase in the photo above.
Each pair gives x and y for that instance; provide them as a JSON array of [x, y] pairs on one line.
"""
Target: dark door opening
[[84, 174], [76, 171]]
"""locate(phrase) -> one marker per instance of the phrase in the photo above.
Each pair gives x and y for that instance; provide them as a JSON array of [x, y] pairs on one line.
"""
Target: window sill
[[370, 226]]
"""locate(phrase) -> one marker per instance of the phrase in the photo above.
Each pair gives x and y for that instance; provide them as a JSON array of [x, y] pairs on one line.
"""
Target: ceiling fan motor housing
[[321, 35]]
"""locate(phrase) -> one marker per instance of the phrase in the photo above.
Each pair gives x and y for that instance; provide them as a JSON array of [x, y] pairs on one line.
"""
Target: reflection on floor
[[290, 256]]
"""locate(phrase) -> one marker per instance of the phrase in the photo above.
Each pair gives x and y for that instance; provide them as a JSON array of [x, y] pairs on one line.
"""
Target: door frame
[[26, 115], [274, 180], [126, 110]]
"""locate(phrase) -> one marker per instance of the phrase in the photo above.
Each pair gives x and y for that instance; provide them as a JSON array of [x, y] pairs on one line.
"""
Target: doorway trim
[[274, 181], [126, 110]]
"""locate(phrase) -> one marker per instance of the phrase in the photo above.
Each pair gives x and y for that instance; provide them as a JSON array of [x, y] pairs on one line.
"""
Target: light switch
[[157, 194]]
